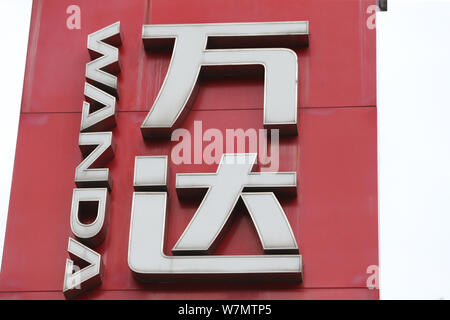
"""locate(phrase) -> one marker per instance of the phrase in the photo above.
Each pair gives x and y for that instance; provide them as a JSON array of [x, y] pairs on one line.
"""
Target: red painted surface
[[334, 216]]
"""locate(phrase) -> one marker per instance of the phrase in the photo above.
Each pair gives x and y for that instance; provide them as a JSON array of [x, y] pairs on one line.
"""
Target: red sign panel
[[333, 215]]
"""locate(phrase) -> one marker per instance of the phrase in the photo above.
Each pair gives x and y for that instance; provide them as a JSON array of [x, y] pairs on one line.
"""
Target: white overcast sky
[[413, 68], [15, 23]]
